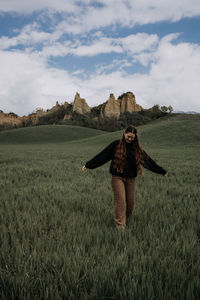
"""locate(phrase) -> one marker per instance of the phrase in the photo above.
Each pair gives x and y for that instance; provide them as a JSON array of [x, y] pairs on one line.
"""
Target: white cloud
[[24, 6], [84, 16], [31, 36], [26, 83], [172, 79], [136, 43], [131, 12], [128, 13], [144, 58], [56, 49], [120, 64], [151, 11], [131, 44], [176, 72], [104, 45]]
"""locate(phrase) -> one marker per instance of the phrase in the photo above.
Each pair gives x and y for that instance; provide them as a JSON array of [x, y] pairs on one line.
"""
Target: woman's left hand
[[166, 174], [84, 168]]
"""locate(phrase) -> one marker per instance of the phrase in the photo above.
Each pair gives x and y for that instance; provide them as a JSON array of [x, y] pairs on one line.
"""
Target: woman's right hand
[[84, 168]]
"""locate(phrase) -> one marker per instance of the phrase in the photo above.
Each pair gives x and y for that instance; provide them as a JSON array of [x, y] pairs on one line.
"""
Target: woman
[[127, 157]]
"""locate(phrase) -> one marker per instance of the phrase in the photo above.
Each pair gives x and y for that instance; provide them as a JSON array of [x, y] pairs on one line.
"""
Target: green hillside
[[46, 134], [57, 234], [172, 132], [168, 133], [177, 131]]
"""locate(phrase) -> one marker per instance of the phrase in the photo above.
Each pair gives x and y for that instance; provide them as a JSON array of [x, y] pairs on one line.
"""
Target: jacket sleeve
[[148, 163], [103, 157]]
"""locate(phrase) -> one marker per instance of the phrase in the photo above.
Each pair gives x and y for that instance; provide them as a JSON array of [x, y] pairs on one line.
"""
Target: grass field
[[57, 238]]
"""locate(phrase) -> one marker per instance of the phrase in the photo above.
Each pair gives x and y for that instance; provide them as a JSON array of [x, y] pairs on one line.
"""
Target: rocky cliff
[[125, 103], [80, 105], [128, 103], [112, 108], [9, 120]]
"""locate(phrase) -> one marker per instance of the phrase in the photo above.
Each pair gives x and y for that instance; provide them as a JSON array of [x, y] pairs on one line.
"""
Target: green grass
[[46, 134], [57, 238]]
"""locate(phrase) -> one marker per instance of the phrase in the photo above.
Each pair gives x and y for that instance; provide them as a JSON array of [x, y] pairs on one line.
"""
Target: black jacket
[[130, 168]]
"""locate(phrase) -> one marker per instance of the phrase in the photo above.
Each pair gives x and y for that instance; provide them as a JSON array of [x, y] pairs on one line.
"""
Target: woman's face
[[129, 137]]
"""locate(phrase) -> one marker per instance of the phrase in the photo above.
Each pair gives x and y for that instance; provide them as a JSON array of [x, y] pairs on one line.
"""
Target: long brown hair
[[120, 153]]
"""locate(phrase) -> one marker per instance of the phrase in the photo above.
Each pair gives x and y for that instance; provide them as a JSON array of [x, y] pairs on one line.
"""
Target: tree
[[170, 109], [155, 108], [164, 109]]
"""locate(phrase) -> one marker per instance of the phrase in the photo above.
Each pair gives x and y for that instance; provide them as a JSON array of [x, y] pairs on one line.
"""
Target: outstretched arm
[[101, 158], [148, 163]]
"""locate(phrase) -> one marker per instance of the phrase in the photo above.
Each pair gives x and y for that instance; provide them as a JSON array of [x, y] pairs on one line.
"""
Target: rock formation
[[80, 105], [111, 108], [31, 119], [55, 108], [125, 103], [67, 117], [9, 120], [66, 104], [128, 103]]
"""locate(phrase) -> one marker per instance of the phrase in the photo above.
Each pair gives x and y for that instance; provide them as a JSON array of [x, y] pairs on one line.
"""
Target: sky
[[49, 50]]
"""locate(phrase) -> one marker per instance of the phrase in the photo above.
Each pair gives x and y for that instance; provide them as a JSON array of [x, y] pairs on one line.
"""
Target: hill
[[46, 134], [175, 131], [172, 132], [179, 130]]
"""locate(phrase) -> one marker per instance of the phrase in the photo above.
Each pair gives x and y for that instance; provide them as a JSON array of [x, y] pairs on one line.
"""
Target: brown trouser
[[124, 195]]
